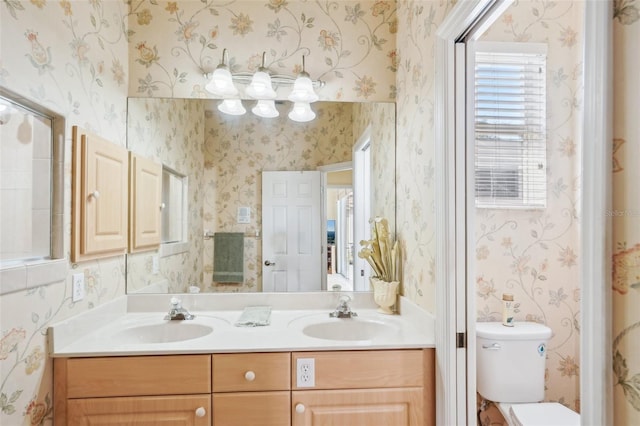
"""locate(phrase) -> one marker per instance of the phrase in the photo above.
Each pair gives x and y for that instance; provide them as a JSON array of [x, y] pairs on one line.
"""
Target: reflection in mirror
[[174, 204], [223, 158]]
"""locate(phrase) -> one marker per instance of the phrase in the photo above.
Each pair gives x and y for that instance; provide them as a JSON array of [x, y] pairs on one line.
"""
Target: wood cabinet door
[[100, 189], [145, 203], [105, 183], [252, 409], [183, 410], [358, 407]]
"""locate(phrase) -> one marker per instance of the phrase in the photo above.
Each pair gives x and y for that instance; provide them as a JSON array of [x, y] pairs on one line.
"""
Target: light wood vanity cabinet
[[137, 390], [366, 388], [355, 388]]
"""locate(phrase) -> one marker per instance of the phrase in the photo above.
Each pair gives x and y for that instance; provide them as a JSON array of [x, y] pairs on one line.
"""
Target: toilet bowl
[[510, 372]]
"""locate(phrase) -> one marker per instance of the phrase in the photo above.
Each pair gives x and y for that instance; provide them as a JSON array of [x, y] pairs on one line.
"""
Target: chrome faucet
[[343, 310], [177, 312]]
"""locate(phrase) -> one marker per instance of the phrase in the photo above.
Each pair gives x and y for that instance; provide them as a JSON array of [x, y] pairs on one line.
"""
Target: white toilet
[[510, 372]]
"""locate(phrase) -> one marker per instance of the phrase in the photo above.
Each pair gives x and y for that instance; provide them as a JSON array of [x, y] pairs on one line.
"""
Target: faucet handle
[[175, 303], [344, 300]]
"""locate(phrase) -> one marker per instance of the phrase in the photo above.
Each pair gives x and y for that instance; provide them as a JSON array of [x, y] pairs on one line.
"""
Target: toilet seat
[[539, 414]]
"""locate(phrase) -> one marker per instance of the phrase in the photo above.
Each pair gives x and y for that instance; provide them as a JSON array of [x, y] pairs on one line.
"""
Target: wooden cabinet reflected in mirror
[[222, 158]]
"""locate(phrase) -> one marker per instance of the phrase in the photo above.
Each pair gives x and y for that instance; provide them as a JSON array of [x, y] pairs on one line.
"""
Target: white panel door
[[291, 231]]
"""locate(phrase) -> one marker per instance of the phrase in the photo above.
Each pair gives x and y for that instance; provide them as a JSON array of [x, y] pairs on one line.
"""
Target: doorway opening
[[339, 216]]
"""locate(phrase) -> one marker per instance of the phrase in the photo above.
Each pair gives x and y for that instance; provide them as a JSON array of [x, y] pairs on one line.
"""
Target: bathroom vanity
[[282, 374]]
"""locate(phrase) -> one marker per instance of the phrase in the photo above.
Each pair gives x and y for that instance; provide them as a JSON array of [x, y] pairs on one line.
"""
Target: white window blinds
[[510, 125]]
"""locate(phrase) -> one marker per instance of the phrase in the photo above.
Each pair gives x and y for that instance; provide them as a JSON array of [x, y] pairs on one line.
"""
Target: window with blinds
[[510, 125]]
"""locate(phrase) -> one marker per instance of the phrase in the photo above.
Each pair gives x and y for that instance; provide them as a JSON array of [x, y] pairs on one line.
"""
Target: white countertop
[[107, 330]]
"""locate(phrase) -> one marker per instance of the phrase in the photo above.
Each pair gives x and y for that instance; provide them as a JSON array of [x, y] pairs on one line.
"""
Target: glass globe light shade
[[303, 90], [221, 83], [231, 107], [265, 108], [301, 112], [260, 87]]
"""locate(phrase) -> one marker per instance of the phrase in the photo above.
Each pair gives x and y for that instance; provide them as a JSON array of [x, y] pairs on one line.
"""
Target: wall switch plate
[[244, 215], [306, 372], [77, 287]]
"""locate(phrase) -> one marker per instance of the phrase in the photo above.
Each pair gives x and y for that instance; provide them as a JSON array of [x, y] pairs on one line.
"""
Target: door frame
[[328, 168], [361, 211], [595, 304]]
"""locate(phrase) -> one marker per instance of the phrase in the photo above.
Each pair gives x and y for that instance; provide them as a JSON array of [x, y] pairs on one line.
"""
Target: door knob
[[269, 263]]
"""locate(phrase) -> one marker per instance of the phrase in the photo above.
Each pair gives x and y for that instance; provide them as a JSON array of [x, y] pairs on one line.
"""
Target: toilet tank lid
[[520, 331]]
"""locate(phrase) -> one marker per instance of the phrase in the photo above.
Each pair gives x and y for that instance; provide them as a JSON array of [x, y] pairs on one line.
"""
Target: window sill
[[24, 275]]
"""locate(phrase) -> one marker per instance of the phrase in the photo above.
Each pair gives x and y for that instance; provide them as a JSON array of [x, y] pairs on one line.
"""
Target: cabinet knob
[[300, 408], [162, 206], [200, 412], [250, 376], [95, 194]]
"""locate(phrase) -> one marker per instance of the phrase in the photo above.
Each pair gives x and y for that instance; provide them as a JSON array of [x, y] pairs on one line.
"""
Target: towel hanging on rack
[[228, 257]]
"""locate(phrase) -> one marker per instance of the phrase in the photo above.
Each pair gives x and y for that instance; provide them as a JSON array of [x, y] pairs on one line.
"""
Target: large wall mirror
[[221, 159]]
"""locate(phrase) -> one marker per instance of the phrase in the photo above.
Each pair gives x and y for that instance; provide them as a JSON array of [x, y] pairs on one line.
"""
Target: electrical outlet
[[155, 265], [77, 287], [306, 372]]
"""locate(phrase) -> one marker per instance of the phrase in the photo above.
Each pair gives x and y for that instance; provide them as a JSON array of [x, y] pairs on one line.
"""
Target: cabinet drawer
[[252, 408], [251, 372], [139, 375], [363, 369], [189, 410]]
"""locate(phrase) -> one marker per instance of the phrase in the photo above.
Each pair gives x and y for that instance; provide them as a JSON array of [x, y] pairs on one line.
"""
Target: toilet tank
[[510, 361]]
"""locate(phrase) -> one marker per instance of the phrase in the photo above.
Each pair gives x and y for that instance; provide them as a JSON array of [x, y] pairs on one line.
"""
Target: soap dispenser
[[507, 309]]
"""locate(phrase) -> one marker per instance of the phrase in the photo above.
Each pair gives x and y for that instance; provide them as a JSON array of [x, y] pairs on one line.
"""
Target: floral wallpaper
[[534, 254], [238, 149], [72, 58], [348, 44], [82, 58], [415, 188], [626, 213], [171, 132], [382, 118]]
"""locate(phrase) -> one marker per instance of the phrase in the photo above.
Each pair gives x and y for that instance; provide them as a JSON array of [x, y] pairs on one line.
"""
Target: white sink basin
[[164, 332], [348, 329], [345, 329]]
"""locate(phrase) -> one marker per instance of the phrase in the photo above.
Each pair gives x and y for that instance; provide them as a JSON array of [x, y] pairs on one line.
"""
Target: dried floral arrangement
[[380, 252]]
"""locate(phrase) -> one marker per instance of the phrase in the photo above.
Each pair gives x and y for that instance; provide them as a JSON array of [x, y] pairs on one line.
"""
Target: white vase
[[384, 294]]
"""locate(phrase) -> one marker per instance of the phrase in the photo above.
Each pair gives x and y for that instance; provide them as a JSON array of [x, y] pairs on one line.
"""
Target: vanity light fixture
[[260, 86], [221, 82]]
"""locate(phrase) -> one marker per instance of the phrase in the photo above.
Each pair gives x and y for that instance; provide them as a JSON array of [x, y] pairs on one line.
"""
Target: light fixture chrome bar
[[278, 79]]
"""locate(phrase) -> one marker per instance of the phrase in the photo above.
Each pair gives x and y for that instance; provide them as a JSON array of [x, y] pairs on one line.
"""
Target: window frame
[[25, 273]]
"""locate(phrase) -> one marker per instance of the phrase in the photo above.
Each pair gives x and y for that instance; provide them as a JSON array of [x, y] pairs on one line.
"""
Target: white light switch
[[244, 215]]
